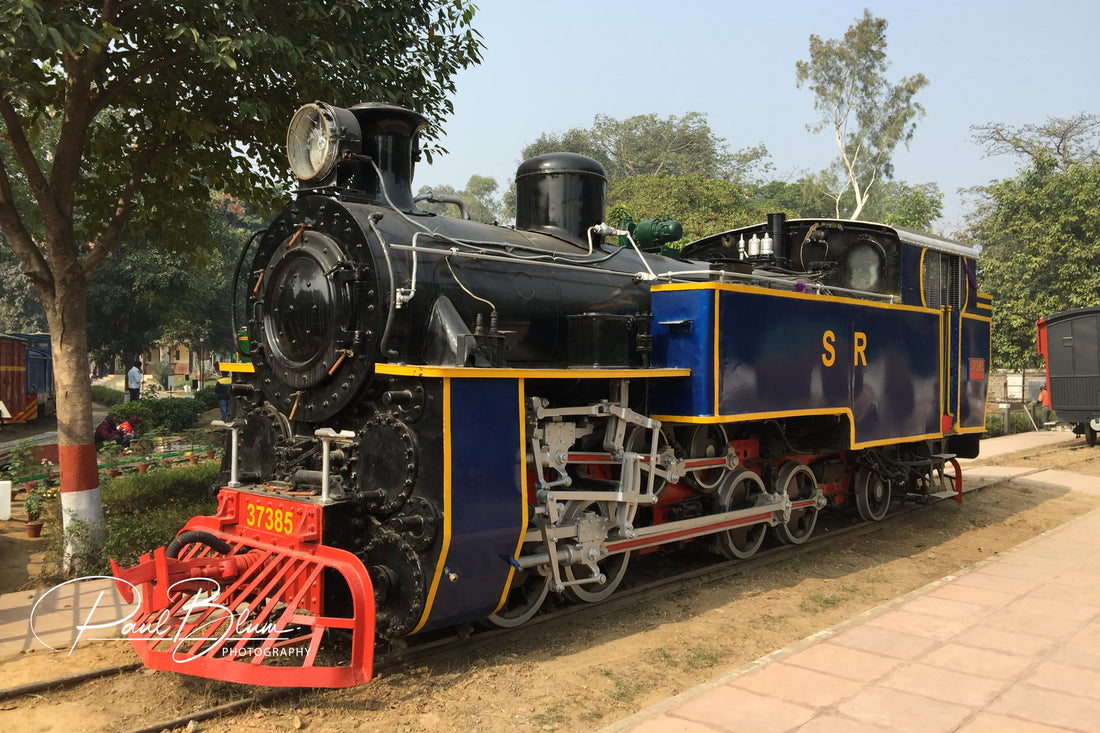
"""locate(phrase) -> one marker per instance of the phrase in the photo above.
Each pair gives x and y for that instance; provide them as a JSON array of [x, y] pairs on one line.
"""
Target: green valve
[[242, 344], [652, 234]]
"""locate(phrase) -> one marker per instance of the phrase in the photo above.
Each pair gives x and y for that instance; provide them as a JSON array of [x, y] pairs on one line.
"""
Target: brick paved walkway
[[1010, 645]]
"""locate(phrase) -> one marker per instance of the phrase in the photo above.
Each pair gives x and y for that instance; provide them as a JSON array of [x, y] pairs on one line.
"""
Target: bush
[[165, 415], [141, 512], [106, 396], [206, 398], [1020, 423], [994, 426], [162, 371]]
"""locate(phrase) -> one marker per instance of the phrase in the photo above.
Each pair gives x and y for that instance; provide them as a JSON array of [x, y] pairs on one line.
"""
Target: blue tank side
[[487, 504], [683, 337]]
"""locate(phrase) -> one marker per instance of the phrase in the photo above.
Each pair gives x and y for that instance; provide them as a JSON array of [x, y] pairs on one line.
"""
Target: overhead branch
[[119, 86], [22, 242], [124, 210], [36, 179]]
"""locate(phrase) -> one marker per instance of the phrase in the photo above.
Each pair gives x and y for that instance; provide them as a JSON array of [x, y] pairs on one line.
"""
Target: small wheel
[[872, 495], [708, 441], [612, 567], [740, 490], [799, 483], [529, 589], [1091, 428]]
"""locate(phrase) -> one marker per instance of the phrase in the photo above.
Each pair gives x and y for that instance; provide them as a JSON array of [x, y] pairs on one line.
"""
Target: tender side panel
[[785, 354], [795, 354], [973, 372], [486, 505]]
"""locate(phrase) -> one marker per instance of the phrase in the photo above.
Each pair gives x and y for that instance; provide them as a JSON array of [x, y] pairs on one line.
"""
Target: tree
[[702, 205], [1064, 141], [897, 204], [902, 204], [436, 207], [479, 197], [649, 145], [156, 104], [577, 140], [144, 295], [1040, 234], [868, 116], [806, 197], [480, 192], [20, 309], [646, 145]]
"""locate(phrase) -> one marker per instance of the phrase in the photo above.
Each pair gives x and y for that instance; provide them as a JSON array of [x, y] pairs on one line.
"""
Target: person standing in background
[[133, 381], [1044, 404], [221, 391]]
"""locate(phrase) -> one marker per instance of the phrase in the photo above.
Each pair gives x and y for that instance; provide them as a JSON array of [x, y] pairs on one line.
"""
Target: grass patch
[[623, 689], [552, 717], [702, 658], [106, 396], [818, 602]]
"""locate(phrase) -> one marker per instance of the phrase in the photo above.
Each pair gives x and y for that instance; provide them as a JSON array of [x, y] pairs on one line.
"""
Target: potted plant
[[20, 460], [33, 506]]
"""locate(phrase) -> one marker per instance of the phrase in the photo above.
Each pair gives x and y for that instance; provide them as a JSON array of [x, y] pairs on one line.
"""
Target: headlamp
[[319, 134]]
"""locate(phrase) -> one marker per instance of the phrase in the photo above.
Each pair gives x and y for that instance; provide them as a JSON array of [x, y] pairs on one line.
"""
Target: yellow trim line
[[412, 370]]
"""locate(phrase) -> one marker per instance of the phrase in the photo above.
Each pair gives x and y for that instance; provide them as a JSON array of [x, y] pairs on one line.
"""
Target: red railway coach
[[26, 376]]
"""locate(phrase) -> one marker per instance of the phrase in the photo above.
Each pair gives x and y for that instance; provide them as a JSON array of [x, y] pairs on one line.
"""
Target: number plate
[[278, 517]]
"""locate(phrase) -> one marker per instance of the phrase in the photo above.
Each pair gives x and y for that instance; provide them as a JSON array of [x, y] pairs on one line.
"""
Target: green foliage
[[148, 294], [649, 145], [1020, 423], [142, 512], [20, 308], [866, 115], [165, 415], [34, 504], [1040, 234], [702, 205], [479, 196], [903, 205], [106, 396], [897, 203], [162, 371], [225, 76], [205, 399], [20, 459], [994, 426], [1066, 141], [806, 197]]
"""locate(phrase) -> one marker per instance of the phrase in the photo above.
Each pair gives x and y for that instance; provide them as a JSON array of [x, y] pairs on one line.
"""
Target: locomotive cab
[[859, 257]]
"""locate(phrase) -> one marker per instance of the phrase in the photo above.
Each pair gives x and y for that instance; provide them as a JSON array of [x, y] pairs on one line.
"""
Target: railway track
[[465, 640]]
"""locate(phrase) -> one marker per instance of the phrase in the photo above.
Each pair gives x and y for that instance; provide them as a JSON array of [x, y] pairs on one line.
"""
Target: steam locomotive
[[446, 421]]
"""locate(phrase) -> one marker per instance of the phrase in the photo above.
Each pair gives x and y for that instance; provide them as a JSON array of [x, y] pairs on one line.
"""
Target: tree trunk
[[81, 507]]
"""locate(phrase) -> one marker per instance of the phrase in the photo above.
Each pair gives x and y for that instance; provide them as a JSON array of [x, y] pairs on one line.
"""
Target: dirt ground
[[583, 674]]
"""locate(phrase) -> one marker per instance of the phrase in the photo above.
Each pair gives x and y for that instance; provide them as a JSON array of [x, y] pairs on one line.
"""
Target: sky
[[552, 65]]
